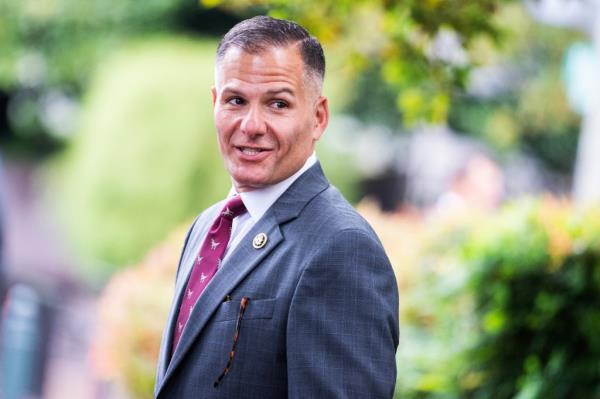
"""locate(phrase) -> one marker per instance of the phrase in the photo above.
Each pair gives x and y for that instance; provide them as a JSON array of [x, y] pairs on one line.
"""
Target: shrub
[[502, 306], [145, 157], [536, 288], [132, 313]]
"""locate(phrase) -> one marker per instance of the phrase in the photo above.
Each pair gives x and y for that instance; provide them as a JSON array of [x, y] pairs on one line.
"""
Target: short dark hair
[[256, 34]]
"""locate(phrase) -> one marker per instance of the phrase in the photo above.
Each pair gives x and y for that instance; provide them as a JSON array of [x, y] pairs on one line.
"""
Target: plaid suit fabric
[[322, 319]]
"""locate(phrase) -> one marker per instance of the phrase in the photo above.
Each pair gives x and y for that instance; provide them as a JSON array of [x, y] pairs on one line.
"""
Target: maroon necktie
[[207, 261]]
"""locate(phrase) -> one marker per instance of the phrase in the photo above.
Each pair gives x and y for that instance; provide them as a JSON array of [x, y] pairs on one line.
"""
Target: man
[[282, 290]]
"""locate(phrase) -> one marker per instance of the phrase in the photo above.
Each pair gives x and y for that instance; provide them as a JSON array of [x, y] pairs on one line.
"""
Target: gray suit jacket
[[322, 320]]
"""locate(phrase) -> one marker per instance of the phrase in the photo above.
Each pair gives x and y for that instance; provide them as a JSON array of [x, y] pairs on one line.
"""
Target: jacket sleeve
[[342, 331]]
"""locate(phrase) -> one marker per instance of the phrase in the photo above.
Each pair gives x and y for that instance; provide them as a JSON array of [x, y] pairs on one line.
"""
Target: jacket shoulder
[[334, 214]]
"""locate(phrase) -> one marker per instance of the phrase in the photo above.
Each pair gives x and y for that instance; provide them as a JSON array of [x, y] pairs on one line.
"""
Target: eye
[[236, 101], [279, 104]]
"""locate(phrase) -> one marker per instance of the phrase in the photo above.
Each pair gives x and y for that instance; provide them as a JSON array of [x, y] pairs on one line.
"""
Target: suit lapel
[[242, 260], [185, 268]]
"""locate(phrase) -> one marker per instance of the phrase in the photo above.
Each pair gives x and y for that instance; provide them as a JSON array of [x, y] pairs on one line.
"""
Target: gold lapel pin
[[260, 240]]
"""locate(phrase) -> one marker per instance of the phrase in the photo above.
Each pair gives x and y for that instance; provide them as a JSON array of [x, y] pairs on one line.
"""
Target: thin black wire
[[236, 336]]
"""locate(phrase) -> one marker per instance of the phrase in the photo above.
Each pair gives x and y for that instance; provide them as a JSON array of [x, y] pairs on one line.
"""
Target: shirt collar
[[258, 201]]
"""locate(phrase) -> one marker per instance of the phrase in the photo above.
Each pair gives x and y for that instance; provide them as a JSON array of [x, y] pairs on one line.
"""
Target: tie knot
[[234, 207]]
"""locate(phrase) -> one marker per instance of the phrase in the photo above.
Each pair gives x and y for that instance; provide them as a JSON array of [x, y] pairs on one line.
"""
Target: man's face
[[268, 114]]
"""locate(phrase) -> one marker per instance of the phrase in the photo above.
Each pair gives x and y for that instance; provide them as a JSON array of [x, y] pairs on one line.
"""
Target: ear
[[213, 92], [321, 117]]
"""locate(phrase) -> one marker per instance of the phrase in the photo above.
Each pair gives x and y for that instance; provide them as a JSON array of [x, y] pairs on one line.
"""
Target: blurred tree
[[145, 158], [49, 51], [59, 42], [418, 47], [514, 99], [517, 101]]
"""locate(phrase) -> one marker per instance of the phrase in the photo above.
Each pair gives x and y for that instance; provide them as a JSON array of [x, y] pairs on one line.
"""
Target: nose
[[253, 123]]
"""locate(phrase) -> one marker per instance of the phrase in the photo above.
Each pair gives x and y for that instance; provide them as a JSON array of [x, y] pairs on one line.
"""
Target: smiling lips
[[252, 152]]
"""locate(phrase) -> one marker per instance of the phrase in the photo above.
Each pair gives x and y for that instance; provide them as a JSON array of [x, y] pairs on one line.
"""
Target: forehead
[[274, 65]]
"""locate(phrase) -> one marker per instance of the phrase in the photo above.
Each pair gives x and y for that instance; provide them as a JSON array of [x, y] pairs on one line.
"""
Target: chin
[[249, 182]]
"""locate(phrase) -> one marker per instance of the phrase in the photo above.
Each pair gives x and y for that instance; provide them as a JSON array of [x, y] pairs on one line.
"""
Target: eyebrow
[[271, 92], [231, 90], [279, 91]]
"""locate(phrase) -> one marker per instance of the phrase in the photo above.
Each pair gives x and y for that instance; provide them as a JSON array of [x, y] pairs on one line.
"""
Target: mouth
[[251, 150]]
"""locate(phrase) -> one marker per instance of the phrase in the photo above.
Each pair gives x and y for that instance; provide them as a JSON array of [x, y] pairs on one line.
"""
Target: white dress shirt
[[257, 203]]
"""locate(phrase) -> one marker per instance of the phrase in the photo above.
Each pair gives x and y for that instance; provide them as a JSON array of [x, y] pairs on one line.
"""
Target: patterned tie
[[207, 261]]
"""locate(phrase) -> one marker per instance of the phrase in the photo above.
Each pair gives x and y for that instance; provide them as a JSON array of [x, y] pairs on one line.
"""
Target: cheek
[[223, 129], [290, 133]]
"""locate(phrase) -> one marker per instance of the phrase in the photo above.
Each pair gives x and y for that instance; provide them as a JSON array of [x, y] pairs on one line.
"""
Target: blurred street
[[37, 255]]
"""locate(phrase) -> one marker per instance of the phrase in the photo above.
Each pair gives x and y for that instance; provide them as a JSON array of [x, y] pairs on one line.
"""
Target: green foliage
[[401, 36], [506, 307], [70, 34], [146, 156], [132, 311], [537, 316], [530, 110], [340, 168], [49, 51]]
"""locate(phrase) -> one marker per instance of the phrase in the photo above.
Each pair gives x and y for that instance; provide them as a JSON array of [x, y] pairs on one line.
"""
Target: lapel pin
[[260, 240]]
